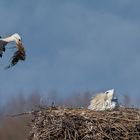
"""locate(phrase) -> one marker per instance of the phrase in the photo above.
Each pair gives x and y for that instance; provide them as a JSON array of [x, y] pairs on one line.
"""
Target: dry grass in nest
[[59, 123]]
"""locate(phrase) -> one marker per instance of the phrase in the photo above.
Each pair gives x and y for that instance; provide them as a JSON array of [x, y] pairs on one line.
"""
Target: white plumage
[[104, 101], [19, 54]]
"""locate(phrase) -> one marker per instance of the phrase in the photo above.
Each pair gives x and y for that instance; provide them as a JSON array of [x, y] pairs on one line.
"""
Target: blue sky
[[73, 46]]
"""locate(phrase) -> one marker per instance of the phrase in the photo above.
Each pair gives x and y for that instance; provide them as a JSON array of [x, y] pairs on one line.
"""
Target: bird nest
[[82, 124]]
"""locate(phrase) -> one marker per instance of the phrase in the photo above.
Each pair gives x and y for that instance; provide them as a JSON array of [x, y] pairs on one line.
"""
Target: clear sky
[[73, 45]]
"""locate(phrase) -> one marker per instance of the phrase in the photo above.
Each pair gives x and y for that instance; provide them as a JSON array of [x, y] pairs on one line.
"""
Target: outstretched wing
[[18, 55], [2, 47]]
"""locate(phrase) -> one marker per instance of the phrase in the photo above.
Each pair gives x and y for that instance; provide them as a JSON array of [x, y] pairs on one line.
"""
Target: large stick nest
[[83, 124]]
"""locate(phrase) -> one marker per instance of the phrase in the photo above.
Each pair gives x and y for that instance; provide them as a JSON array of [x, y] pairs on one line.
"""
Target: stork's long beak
[[19, 44]]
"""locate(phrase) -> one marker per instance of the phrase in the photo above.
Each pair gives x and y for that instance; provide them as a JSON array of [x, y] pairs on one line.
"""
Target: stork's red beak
[[20, 45]]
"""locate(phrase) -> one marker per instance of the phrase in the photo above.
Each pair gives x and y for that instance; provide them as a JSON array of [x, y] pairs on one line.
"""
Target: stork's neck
[[9, 39]]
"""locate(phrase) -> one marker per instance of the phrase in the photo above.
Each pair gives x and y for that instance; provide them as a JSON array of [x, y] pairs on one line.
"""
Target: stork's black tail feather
[[2, 47]]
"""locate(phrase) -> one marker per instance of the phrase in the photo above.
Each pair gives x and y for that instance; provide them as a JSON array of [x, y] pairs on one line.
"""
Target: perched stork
[[104, 101], [19, 54]]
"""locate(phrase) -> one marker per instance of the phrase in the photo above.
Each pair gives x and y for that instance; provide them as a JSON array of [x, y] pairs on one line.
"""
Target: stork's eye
[[19, 39]]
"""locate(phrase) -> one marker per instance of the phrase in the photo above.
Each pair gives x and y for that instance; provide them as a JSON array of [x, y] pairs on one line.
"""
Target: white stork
[[104, 101], [19, 54]]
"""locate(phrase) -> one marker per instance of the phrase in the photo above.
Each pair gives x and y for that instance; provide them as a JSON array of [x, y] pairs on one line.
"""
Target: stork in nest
[[104, 101]]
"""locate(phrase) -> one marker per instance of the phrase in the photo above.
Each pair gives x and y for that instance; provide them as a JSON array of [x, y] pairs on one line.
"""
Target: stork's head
[[110, 93], [17, 38]]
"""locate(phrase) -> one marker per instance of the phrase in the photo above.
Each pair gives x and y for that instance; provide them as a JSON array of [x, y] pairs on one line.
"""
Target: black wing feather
[[18, 55]]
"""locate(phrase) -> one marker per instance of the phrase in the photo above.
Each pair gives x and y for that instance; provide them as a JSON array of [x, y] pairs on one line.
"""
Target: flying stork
[[20, 52]]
